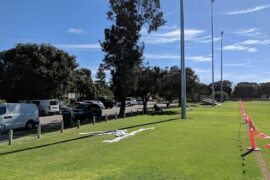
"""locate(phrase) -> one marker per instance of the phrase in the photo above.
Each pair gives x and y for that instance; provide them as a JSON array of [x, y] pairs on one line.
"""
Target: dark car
[[108, 103], [84, 111]]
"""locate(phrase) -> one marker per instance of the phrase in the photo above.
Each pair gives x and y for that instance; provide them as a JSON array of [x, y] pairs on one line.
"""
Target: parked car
[[101, 105], [139, 102], [63, 106], [47, 107], [108, 103], [131, 101], [84, 111], [18, 115]]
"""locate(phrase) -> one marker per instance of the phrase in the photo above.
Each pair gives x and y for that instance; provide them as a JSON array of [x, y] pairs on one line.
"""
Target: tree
[[32, 71], [1, 66], [202, 89], [149, 83], [227, 87], [85, 86], [123, 50], [101, 75], [171, 84], [264, 89], [246, 90]]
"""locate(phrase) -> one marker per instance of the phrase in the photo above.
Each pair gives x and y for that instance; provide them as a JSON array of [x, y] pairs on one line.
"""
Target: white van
[[47, 107], [18, 115]]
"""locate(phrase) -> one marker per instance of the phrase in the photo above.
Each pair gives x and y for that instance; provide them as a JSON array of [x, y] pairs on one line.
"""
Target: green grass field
[[206, 146]]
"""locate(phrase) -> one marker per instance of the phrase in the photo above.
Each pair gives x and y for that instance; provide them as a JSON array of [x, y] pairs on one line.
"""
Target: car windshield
[[53, 102], [2, 110]]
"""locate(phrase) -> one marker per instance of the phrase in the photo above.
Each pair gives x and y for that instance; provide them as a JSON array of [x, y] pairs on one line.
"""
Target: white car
[[131, 101], [18, 115], [47, 107], [139, 102]]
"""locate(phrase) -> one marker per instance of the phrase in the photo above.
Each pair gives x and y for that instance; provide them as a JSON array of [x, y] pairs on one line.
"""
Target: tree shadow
[[82, 137], [164, 113]]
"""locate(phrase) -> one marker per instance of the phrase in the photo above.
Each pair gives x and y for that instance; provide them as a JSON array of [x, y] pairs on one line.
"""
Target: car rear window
[[53, 102], [3, 110], [95, 106]]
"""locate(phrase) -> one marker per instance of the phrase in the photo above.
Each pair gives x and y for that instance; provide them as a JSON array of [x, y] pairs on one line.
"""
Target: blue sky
[[77, 26]]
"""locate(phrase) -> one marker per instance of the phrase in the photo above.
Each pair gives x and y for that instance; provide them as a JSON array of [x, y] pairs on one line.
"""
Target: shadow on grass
[[164, 113], [80, 138], [247, 153]]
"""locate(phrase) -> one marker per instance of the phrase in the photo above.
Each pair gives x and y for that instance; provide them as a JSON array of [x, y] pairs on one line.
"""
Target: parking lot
[[58, 118], [52, 123]]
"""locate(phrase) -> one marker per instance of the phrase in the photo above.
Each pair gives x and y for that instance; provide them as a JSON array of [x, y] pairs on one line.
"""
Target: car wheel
[[42, 113], [30, 125]]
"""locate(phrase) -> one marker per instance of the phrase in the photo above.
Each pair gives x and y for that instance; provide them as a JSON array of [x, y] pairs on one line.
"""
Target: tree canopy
[[264, 89], [84, 84], [149, 83], [246, 90], [101, 75], [31, 71], [171, 84]]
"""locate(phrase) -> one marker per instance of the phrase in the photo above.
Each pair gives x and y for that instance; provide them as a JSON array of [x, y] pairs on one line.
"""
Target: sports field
[[206, 146]]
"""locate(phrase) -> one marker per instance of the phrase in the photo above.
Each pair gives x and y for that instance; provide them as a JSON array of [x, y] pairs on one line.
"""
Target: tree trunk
[[144, 106], [122, 108]]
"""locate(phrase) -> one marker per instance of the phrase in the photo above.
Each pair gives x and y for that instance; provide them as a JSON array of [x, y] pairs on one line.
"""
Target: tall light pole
[[221, 58], [183, 68], [213, 78]]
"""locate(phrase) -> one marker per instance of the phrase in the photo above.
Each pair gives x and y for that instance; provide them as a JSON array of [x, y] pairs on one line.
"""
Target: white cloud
[[202, 71], [171, 36], [162, 56], [205, 39], [245, 45], [235, 65], [177, 57], [248, 32], [78, 46], [199, 58], [255, 42], [249, 10], [75, 31], [236, 47]]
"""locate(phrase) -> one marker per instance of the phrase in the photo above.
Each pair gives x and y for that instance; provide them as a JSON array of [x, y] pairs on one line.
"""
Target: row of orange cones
[[253, 130]]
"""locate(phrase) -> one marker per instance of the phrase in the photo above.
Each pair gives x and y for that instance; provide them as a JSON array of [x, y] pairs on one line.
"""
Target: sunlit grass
[[205, 146]]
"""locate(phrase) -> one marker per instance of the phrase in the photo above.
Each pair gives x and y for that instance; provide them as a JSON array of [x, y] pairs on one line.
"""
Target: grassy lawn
[[259, 112], [206, 146]]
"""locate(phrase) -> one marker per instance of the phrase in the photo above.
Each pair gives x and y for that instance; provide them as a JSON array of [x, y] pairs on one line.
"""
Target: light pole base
[[256, 149]]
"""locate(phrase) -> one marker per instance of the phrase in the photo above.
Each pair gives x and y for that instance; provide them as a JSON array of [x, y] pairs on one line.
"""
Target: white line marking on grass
[[128, 135]]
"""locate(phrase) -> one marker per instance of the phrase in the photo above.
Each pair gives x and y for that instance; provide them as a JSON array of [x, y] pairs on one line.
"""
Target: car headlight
[[2, 127]]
